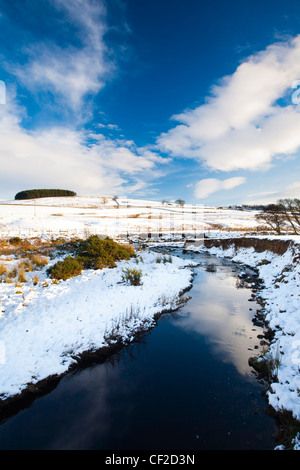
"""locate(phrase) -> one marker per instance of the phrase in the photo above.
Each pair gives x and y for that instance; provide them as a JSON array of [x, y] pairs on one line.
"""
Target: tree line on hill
[[243, 207], [38, 193]]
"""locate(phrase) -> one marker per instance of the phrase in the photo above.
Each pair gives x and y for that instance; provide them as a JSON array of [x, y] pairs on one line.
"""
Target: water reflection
[[92, 419], [221, 313]]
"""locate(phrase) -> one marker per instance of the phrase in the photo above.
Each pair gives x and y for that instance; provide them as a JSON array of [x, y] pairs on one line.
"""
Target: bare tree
[[273, 216], [180, 202], [291, 210]]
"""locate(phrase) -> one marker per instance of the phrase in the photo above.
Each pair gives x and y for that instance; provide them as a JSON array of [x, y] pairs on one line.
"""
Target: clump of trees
[[180, 202], [282, 215], [93, 253], [38, 193]]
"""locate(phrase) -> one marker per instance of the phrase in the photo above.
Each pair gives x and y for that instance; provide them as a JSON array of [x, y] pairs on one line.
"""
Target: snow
[[281, 292], [75, 216], [45, 328], [296, 442]]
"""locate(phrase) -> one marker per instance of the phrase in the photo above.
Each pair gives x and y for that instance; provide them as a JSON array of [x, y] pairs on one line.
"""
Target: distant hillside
[[38, 193]]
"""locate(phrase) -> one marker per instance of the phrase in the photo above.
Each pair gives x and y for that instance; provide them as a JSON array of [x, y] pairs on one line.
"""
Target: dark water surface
[[186, 385]]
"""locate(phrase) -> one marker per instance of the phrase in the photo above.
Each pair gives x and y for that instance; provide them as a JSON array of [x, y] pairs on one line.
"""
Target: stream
[[186, 384]]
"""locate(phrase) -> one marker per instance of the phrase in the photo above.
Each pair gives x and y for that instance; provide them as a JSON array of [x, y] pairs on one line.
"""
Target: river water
[[185, 385]]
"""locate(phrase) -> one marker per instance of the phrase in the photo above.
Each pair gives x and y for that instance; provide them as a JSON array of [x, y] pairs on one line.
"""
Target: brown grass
[[35, 280], [21, 247], [21, 276], [37, 260], [3, 269]]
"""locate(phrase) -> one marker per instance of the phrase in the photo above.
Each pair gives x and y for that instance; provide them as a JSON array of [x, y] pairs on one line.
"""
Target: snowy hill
[[76, 216]]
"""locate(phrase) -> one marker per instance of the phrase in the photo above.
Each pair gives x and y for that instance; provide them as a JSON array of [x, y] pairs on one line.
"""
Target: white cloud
[[63, 157], [241, 126], [208, 186], [290, 191], [70, 73]]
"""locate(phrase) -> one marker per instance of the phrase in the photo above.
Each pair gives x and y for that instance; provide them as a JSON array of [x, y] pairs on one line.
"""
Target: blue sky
[[159, 99]]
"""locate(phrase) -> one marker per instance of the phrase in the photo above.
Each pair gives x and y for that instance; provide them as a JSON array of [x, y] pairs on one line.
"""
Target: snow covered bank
[[280, 274], [44, 328]]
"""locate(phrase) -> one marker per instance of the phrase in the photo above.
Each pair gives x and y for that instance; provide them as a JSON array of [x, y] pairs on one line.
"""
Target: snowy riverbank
[[44, 328], [281, 295]]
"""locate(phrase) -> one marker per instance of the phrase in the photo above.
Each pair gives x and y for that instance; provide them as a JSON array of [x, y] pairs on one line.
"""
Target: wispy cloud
[[208, 186], [290, 191], [241, 125], [75, 70], [63, 152]]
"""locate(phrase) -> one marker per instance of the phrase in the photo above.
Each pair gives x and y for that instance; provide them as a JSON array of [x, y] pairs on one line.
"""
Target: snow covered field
[[44, 327], [76, 216]]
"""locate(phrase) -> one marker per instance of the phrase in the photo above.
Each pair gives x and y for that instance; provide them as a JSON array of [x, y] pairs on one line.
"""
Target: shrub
[[65, 269], [15, 240], [132, 275], [97, 253], [93, 253]]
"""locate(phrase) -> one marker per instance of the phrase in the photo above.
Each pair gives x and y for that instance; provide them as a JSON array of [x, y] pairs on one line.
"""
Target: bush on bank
[[93, 253], [65, 269], [96, 253]]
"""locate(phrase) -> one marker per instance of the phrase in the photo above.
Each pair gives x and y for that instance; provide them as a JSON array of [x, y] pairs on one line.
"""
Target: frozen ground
[[44, 327], [82, 215]]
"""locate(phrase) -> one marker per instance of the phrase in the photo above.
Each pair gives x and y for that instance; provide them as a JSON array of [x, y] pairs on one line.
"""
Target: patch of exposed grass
[[38, 261], [3, 270], [132, 276], [21, 276]]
